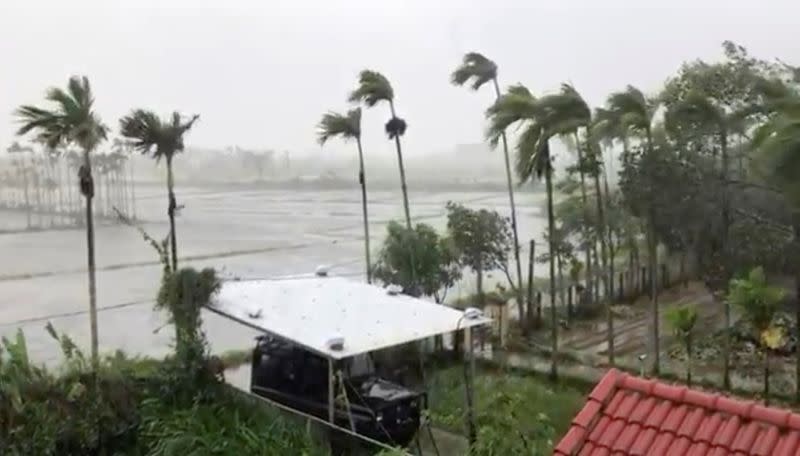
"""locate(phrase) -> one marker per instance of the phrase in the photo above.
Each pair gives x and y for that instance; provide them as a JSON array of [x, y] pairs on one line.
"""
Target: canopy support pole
[[331, 393], [469, 378]]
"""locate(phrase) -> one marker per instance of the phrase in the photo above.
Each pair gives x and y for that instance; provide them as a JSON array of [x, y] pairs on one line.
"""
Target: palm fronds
[[148, 134], [475, 69], [334, 124]]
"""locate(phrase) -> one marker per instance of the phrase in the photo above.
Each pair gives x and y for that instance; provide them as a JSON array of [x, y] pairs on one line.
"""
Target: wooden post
[[531, 263], [469, 378], [621, 286], [539, 306], [664, 276]]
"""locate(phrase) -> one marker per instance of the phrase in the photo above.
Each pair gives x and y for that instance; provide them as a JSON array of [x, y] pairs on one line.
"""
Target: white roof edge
[[307, 311]]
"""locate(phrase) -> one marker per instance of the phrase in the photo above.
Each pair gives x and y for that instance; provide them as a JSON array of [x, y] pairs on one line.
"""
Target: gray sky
[[261, 72]]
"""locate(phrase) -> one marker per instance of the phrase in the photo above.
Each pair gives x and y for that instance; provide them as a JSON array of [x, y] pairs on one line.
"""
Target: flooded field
[[247, 234]]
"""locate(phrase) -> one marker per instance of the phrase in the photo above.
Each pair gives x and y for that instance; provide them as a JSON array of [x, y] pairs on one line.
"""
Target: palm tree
[[72, 121], [759, 302], [778, 142], [348, 126], [683, 320], [540, 120], [636, 113], [476, 70], [161, 139], [698, 111], [373, 87]]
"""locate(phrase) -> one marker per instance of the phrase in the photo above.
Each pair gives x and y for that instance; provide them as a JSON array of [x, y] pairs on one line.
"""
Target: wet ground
[[242, 233]]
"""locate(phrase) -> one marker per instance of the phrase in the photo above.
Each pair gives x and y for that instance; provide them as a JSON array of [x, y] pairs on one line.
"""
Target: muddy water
[[241, 233]]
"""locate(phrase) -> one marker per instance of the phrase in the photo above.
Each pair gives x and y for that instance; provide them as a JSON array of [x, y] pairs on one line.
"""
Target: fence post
[[621, 286]]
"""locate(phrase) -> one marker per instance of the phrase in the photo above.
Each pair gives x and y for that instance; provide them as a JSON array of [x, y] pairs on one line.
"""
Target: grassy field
[[530, 397]]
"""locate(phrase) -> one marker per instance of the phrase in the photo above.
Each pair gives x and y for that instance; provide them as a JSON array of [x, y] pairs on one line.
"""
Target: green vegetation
[[759, 302], [682, 320], [515, 414]]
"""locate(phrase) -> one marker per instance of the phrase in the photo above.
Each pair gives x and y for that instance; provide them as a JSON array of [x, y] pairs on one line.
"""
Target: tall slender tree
[[348, 126], [636, 113], [373, 88], [777, 143], [477, 70], [159, 138], [72, 120], [540, 120], [700, 112]]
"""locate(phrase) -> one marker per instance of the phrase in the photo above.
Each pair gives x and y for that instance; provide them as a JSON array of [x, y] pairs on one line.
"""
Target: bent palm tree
[[373, 88], [698, 110], [636, 114], [347, 127], [72, 121], [575, 111], [519, 106], [162, 139], [477, 70], [778, 142]]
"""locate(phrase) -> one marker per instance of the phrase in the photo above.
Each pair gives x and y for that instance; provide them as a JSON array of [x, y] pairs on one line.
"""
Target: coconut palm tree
[[477, 70], [539, 121], [683, 320], [759, 303], [159, 138], [698, 111], [72, 120], [348, 126], [373, 88], [777, 142], [636, 113]]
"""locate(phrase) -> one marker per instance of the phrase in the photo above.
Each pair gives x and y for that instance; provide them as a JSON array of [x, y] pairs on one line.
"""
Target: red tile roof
[[628, 415]]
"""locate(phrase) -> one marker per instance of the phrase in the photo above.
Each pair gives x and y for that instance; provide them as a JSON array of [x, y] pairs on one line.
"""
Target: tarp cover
[[311, 311]]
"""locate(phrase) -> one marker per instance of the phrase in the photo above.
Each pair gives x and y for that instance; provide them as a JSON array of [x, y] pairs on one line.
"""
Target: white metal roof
[[311, 311]]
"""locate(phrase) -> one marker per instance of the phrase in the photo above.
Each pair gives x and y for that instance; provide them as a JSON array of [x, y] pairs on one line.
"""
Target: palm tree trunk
[[653, 260], [766, 376], [363, 182], [514, 229], [726, 376], [652, 245], [585, 205], [171, 213], [561, 287], [88, 185], [609, 298], [403, 186], [689, 360], [796, 227], [406, 208], [479, 284], [551, 226]]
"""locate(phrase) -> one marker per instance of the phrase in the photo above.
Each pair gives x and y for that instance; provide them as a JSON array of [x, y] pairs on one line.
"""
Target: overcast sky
[[261, 72]]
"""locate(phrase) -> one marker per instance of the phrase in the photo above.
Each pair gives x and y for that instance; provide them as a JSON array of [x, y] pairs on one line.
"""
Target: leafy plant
[[682, 320], [420, 254], [759, 302]]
